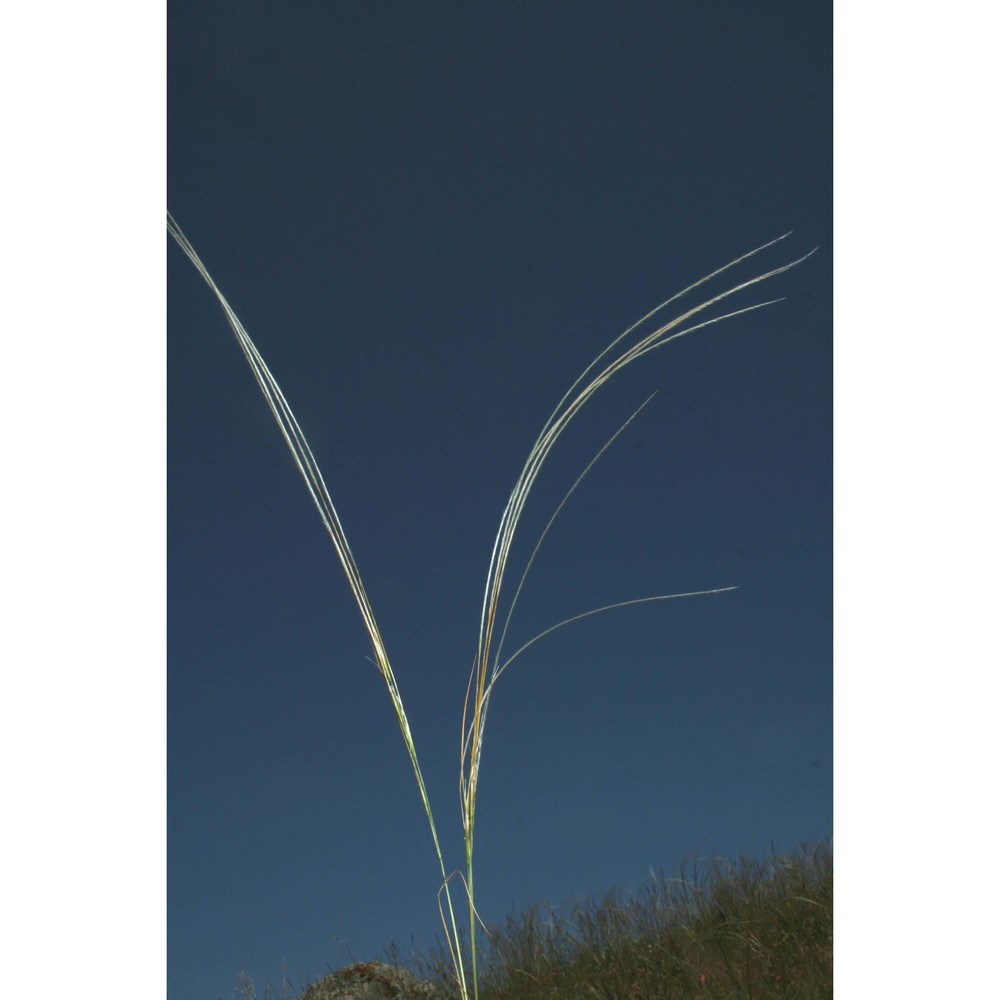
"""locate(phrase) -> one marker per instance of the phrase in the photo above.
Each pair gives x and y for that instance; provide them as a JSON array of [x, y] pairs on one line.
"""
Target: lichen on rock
[[371, 981]]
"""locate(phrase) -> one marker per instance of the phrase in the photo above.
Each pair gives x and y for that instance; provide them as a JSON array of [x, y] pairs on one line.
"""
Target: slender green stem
[[487, 666], [308, 467]]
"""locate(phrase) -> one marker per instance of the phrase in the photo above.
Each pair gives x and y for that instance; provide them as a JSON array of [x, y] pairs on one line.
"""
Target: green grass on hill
[[743, 930], [747, 929]]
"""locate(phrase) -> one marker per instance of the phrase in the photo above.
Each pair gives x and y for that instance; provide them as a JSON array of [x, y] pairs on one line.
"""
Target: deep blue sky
[[431, 217]]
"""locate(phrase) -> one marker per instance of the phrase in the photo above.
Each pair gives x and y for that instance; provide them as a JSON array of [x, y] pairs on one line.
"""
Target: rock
[[371, 981]]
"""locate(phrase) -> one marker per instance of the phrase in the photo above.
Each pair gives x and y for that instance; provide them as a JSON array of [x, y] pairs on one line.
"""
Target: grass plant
[[746, 929], [651, 332], [760, 929]]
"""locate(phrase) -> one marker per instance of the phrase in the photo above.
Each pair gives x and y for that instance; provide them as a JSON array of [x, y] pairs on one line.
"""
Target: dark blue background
[[431, 217]]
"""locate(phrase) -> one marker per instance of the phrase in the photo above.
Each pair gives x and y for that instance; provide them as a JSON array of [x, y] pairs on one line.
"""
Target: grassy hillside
[[745, 930]]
